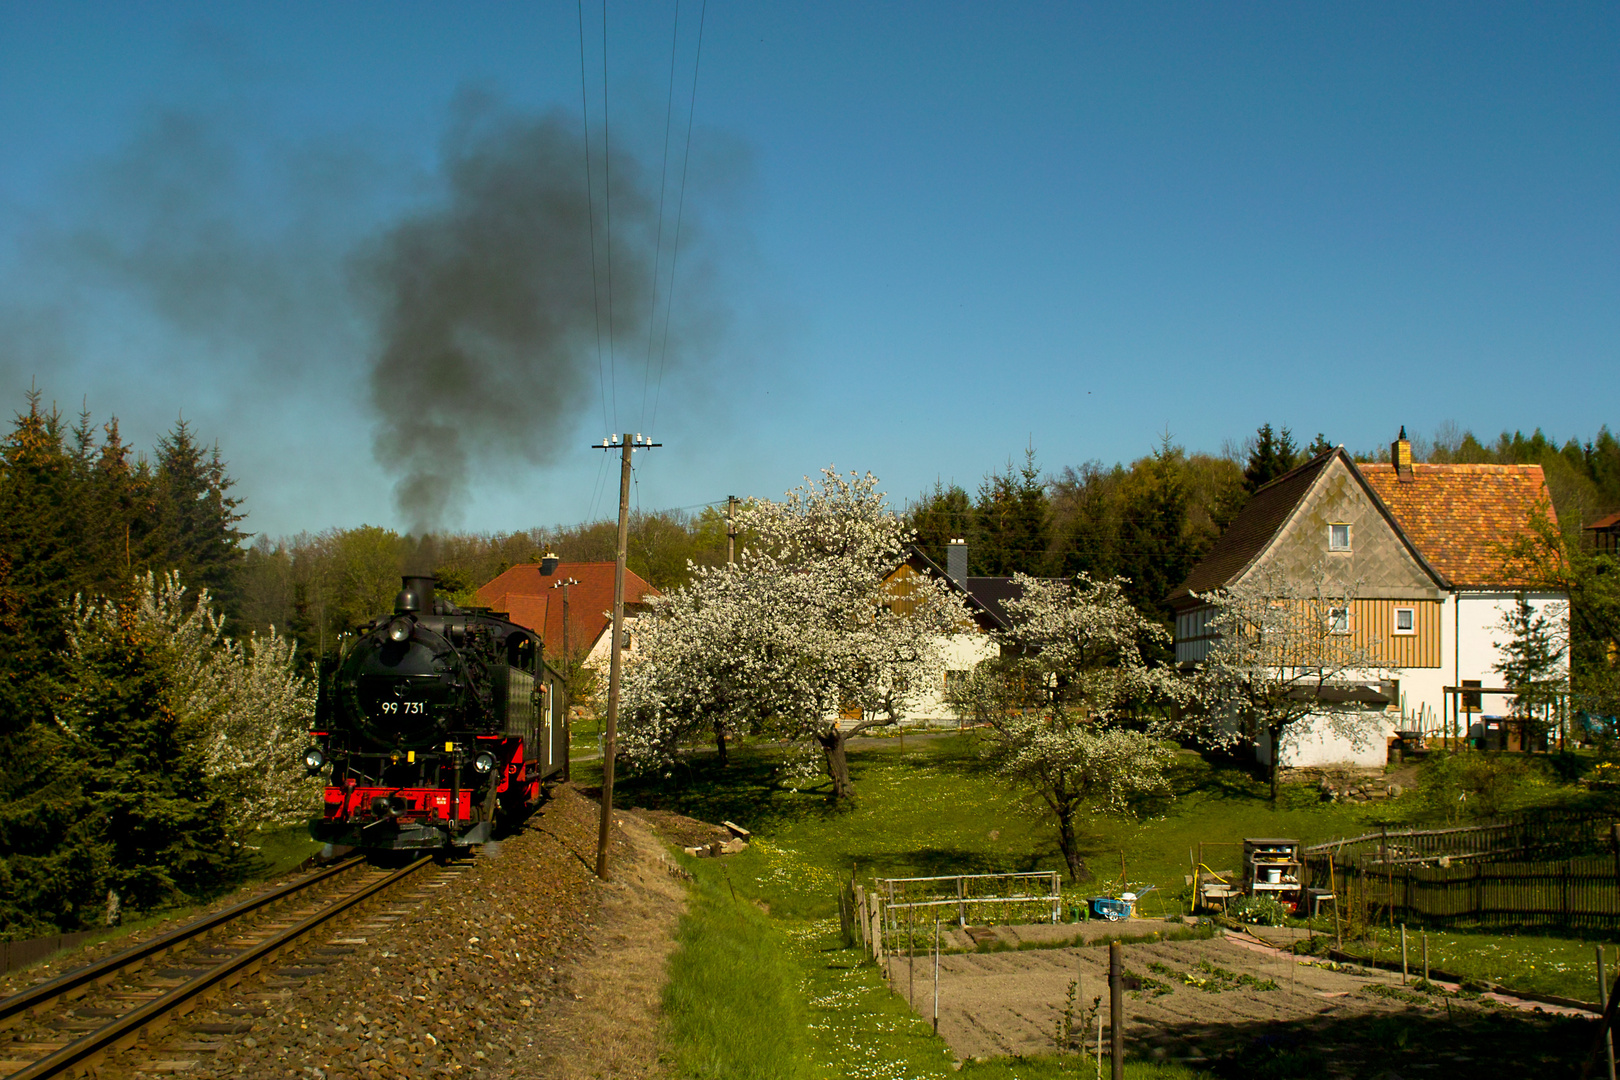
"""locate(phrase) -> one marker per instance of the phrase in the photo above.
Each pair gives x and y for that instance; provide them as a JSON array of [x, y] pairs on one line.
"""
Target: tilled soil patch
[[526, 965], [1218, 1002]]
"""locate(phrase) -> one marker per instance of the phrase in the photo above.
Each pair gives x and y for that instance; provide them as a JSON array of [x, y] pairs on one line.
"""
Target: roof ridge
[[1323, 456]]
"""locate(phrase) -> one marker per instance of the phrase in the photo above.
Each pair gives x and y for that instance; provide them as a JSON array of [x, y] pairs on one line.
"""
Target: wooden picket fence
[[1536, 836], [1551, 870]]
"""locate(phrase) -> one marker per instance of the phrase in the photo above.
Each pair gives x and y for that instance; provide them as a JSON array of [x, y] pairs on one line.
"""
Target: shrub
[[1259, 911]]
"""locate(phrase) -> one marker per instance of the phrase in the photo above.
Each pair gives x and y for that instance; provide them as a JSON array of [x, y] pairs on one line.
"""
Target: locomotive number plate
[[403, 708]]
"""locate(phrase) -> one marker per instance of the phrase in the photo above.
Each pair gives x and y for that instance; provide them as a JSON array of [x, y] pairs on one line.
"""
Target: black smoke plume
[[488, 317]]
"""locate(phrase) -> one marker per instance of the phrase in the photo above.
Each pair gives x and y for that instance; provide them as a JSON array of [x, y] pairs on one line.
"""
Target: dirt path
[[1222, 1000], [609, 1029]]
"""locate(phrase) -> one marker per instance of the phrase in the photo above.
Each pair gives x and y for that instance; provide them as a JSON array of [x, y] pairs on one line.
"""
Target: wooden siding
[[1369, 619], [1375, 619]]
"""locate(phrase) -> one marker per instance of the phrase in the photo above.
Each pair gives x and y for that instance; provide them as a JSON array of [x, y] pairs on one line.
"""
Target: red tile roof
[[1606, 523], [1462, 517], [529, 599]]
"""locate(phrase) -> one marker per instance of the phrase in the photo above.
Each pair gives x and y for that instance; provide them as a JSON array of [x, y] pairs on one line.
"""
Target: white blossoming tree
[[801, 628], [1286, 654], [1073, 705], [247, 696]]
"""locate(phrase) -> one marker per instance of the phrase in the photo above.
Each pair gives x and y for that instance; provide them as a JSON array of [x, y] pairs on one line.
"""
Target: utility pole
[[626, 445], [731, 529], [563, 585]]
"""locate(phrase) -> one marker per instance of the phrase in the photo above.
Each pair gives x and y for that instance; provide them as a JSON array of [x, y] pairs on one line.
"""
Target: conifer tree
[[1012, 522], [1274, 453], [158, 823], [194, 529], [940, 516], [1532, 663]]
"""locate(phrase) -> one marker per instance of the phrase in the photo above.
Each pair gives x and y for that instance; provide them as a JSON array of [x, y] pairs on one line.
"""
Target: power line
[[663, 183], [680, 207], [590, 204], [607, 197]]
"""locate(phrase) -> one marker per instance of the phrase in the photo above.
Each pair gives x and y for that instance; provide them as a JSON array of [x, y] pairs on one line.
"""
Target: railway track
[[75, 1020]]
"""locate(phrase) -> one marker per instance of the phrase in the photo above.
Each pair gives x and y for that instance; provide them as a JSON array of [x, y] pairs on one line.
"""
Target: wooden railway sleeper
[[73, 984], [125, 1033]]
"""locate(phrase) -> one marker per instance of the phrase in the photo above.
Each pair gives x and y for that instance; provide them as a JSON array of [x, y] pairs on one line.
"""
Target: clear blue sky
[[918, 237]]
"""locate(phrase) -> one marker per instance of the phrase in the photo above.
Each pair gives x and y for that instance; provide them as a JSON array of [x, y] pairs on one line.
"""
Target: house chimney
[[1400, 455], [956, 563]]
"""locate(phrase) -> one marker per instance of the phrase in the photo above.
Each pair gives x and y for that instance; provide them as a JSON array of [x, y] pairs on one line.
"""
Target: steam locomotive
[[434, 722]]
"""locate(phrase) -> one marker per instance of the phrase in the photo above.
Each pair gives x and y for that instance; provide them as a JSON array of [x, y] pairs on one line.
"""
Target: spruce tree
[[1012, 522], [161, 826], [940, 516], [1274, 453], [1153, 555], [194, 530], [1532, 663]]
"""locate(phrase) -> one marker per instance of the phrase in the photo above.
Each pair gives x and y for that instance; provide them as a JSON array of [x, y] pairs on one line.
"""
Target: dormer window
[[1338, 537]]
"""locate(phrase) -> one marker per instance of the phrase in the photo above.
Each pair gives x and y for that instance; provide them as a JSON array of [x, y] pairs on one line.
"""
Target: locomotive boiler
[[434, 723]]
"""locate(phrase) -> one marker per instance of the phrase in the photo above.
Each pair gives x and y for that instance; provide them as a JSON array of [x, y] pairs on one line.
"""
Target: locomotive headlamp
[[314, 760], [484, 762], [399, 630]]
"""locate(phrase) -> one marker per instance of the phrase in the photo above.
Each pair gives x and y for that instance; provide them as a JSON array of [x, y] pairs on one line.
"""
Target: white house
[[1426, 545], [971, 643]]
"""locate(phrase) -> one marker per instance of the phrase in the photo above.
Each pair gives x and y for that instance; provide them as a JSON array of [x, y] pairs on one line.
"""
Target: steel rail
[[123, 1033], [73, 983]]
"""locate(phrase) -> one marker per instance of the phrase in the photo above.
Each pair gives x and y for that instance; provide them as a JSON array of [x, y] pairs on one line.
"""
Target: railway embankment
[[518, 963]]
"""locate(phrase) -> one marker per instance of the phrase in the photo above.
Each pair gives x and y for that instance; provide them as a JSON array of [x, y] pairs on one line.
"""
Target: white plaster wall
[[601, 655], [1314, 742], [962, 653]]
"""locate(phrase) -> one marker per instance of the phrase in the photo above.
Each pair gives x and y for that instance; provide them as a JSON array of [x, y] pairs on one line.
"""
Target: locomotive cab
[[434, 722]]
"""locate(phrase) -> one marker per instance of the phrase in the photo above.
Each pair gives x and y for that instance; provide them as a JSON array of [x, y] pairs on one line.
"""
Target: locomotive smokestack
[[416, 595]]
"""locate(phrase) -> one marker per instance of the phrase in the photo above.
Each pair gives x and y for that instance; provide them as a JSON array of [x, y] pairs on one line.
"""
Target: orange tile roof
[[528, 598], [1462, 517]]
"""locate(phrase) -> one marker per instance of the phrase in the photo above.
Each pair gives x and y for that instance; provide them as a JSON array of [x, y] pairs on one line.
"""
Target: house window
[[1339, 620], [1405, 620], [1338, 538]]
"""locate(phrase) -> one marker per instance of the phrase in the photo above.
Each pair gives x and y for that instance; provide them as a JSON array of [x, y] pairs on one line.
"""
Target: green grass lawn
[[934, 808], [1533, 962]]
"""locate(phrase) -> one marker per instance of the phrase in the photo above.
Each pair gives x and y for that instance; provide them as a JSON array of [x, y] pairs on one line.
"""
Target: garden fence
[[897, 909], [1553, 870]]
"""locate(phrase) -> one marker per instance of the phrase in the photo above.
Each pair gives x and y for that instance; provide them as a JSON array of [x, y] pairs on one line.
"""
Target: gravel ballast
[[520, 963]]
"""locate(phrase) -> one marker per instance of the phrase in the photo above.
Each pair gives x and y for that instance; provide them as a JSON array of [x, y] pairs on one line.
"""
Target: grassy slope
[[732, 1000]]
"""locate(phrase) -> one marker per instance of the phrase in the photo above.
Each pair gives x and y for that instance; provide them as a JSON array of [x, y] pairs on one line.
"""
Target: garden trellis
[[968, 898]]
